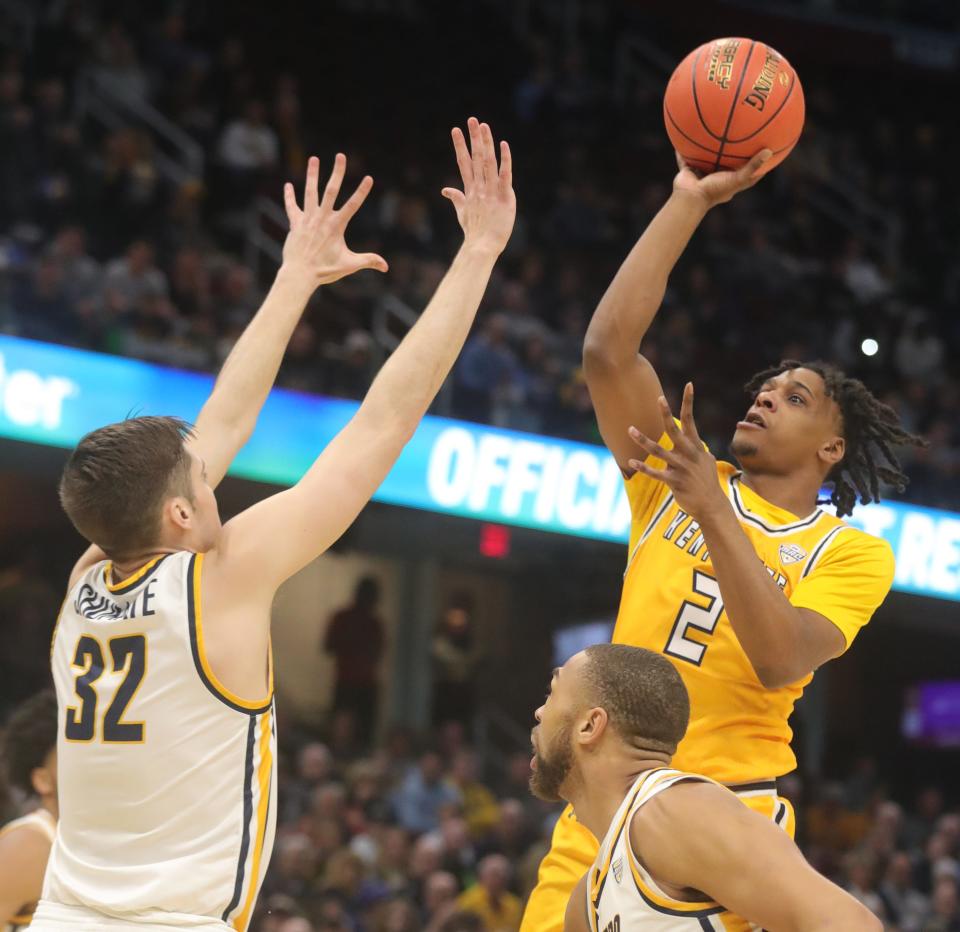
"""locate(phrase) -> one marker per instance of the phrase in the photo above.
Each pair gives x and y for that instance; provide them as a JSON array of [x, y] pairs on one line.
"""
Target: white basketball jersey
[[43, 823], [167, 781], [621, 895]]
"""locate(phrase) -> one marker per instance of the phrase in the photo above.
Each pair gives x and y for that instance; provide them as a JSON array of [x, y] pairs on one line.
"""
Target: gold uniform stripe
[[263, 775], [658, 898], [132, 578], [255, 705], [645, 784]]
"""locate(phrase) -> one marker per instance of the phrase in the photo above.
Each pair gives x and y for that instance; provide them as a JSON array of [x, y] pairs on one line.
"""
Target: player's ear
[[833, 450], [42, 780], [593, 726], [179, 511]]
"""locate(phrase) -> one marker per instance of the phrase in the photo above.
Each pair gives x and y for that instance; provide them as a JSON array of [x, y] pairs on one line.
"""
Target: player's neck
[[49, 803], [597, 796], [121, 569], [796, 494]]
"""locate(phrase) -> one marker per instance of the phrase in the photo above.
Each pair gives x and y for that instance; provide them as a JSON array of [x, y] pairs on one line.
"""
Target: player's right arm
[[699, 836], [23, 860], [268, 543], [623, 384], [576, 919]]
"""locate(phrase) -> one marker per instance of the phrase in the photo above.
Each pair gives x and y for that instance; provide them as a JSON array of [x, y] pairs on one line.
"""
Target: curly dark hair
[[30, 735], [870, 428]]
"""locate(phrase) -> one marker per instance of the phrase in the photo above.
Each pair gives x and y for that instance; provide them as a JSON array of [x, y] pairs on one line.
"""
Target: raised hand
[[719, 187], [486, 207], [315, 246], [690, 470]]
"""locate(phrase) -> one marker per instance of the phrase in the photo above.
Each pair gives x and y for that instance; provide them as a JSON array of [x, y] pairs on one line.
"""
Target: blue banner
[[54, 395]]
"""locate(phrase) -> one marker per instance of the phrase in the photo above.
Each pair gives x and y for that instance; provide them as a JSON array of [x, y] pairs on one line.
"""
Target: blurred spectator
[[134, 278], [944, 913], [350, 373], [248, 150], [424, 793], [82, 274], [861, 871], [485, 366], [118, 71], [490, 897], [903, 905], [439, 898], [314, 768], [355, 639], [456, 656], [480, 808]]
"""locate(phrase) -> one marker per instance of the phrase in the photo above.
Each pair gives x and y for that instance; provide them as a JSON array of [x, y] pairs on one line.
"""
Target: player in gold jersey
[[735, 574]]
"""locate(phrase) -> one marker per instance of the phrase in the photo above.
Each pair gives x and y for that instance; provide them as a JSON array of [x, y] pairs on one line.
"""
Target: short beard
[[742, 450], [546, 780]]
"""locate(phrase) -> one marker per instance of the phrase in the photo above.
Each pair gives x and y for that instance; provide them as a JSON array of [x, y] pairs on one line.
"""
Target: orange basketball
[[729, 99]]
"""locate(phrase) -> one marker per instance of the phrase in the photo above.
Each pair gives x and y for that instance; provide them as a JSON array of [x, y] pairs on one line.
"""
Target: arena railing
[[179, 157]]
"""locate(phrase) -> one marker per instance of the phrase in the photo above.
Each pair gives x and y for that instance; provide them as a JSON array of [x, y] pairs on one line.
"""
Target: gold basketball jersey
[[672, 604]]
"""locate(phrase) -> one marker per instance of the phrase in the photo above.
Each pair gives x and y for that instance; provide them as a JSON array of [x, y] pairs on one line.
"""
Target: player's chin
[[544, 792], [744, 446]]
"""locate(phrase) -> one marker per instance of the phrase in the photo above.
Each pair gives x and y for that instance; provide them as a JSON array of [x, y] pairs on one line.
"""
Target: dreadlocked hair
[[870, 428]]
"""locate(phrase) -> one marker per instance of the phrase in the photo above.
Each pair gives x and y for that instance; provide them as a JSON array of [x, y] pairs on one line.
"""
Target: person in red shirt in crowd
[[355, 639]]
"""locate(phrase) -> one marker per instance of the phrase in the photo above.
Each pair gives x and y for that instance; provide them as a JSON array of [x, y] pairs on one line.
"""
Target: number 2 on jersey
[[129, 654], [703, 618]]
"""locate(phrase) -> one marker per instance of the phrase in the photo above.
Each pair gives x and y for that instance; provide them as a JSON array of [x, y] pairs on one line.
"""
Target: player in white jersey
[[30, 765], [675, 846], [161, 657]]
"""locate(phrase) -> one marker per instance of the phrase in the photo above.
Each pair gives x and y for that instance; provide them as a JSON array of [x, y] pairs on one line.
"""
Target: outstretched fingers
[[312, 183], [476, 149], [464, 162], [369, 260], [506, 168], [290, 203], [669, 424], [687, 422], [489, 156], [355, 201], [649, 447], [334, 182], [660, 475]]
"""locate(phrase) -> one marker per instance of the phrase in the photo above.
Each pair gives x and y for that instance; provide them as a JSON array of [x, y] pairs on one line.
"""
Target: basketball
[[730, 98]]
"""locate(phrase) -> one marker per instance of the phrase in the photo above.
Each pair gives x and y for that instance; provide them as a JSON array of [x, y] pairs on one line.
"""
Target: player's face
[[791, 421], [551, 738]]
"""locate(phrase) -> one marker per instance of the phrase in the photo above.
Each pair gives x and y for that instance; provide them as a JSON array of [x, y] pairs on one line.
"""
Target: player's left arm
[[784, 640], [314, 253], [23, 861], [699, 836]]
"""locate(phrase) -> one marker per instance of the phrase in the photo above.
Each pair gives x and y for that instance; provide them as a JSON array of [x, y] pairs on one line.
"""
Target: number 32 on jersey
[[128, 656]]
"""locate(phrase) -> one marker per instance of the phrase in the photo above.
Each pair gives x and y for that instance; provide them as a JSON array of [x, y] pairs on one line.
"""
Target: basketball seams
[[736, 97], [696, 99], [746, 158], [686, 107], [689, 139], [772, 116]]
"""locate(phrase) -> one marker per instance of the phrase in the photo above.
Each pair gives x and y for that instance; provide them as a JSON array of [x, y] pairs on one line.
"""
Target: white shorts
[[55, 917]]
